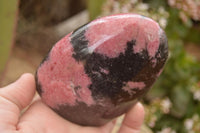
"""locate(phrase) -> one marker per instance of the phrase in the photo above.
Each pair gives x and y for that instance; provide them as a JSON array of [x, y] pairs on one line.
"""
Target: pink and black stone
[[103, 68]]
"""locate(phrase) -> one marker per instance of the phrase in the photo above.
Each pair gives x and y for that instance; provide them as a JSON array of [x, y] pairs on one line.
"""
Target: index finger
[[133, 120]]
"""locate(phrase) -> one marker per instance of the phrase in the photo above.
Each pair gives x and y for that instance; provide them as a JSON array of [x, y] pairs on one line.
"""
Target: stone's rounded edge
[[164, 43], [38, 85], [94, 115], [83, 114], [79, 43]]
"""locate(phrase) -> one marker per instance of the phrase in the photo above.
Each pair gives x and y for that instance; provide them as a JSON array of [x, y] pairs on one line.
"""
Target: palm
[[39, 118], [42, 119]]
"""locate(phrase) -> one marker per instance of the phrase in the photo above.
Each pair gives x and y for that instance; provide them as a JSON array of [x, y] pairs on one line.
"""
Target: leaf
[[168, 121], [181, 98]]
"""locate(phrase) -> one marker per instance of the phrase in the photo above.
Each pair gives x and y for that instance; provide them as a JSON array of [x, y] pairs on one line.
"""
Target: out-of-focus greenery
[[95, 7], [8, 10], [173, 104]]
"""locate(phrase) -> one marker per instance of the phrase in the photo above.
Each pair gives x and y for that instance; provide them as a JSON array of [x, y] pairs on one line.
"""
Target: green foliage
[[95, 7], [8, 11], [173, 104], [175, 28], [180, 75], [193, 35]]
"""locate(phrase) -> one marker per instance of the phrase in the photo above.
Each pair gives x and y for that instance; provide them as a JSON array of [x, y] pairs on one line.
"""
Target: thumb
[[13, 98]]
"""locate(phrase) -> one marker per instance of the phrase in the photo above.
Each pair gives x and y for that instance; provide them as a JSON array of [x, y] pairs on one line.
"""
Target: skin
[[19, 113]]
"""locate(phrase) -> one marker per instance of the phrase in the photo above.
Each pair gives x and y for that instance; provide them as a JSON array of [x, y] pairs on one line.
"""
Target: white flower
[[172, 2], [163, 22], [167, 130], [152, 121], [126, 8], [143, 6], [161, 10], [189, 124], [196, 95], [133, 1], [166, 105], [116, 7]]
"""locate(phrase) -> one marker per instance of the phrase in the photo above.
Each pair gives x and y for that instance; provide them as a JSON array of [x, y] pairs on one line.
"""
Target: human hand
[[38, 118]]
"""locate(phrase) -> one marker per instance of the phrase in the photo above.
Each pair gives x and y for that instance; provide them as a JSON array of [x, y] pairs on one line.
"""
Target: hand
[[38, 118]]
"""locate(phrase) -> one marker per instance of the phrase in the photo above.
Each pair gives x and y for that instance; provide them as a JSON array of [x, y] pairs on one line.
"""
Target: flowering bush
[[173, 104]]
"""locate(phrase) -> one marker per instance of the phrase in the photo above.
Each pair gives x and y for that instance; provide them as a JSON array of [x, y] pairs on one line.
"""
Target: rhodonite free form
[[103, 68]]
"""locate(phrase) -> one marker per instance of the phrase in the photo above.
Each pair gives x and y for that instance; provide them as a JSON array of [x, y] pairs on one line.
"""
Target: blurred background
[[28, 29]]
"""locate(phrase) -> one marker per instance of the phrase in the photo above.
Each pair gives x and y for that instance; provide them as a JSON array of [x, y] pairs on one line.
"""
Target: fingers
[[107, 128], [14, 97], [133, 120], [42, 119]]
